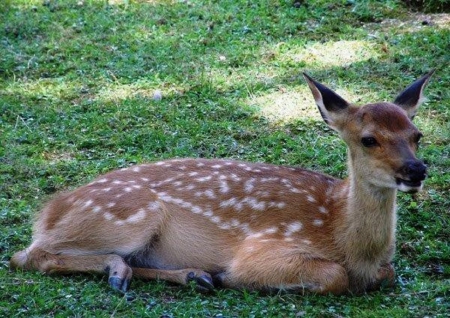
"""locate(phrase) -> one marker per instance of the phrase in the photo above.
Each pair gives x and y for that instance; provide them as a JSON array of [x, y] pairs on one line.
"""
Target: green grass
[[77, 84]]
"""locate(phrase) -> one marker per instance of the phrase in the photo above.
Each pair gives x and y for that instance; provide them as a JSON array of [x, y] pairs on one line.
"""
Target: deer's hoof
[[119, 284], [204, 281]]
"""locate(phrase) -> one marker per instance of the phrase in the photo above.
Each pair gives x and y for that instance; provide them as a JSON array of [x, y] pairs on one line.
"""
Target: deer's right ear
[[411, 98], [330, 104]]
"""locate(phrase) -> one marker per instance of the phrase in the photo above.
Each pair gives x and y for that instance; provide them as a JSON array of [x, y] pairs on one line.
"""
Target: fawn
[[246, 225]]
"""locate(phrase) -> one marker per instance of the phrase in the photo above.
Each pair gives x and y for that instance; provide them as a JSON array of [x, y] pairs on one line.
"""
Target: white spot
[[165, 197], [117, 182], [210, 194], [196, 209], [278, 205], [295, 190], [106, 189], [192, 174], [215, 219], [269, 179], [246, 229], [160, 163], [204, 179], [96, 209], [139, 216], [169, 180], [154, 206], [87, 203], [136, 186], [224, 226], [254, 203], [108, 216], [216, 166], [266, 240], [248, 186], [271, 230], [288, 239], [208, 213], [145, 179], [128, 189], [238, 206], [255, 235], [310, 198], [136, 169], [224, 188], [200, 164], [111, 204], [281, 205], [102, 180], [235, 222], [323, 210], [317, 222], [189, 187], [293, 228], [235, 177]]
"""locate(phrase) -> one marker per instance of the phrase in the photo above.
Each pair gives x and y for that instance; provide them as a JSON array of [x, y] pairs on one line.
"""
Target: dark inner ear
[[411, 95], [331, 100]]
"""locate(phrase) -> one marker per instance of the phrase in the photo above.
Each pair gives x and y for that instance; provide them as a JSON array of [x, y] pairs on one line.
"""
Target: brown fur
[[251, 225]]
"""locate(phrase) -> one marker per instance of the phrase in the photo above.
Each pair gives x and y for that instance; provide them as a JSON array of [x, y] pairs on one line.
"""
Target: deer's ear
[[411, 98], [330, 104]]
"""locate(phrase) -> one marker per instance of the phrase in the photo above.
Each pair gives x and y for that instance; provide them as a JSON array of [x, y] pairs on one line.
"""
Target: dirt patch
[[414, 22]]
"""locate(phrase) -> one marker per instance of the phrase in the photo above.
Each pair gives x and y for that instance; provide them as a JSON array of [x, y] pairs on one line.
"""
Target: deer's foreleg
[[268, 265]]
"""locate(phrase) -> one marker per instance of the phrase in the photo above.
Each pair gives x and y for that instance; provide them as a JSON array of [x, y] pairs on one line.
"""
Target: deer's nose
[[414, 170]]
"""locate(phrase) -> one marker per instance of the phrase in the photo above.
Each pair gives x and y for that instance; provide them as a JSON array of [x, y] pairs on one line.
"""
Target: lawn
[[90, 86]]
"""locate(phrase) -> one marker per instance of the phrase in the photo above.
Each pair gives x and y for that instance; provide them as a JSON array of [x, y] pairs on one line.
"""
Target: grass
[[79, 86]]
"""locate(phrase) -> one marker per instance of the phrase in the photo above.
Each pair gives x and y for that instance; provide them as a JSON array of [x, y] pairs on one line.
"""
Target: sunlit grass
[[332, 54]]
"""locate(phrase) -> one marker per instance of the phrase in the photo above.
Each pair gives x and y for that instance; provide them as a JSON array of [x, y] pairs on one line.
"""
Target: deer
[[218, 223]]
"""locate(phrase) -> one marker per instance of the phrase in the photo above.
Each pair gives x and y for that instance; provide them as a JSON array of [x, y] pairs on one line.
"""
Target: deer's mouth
[[409, 185]]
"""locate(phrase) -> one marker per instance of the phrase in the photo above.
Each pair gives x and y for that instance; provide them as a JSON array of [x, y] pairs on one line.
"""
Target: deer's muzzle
[[411, 175]]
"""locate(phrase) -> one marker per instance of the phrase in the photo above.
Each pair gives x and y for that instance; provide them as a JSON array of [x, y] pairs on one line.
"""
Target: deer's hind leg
[[267, 265], [119, 271], [36, 258]]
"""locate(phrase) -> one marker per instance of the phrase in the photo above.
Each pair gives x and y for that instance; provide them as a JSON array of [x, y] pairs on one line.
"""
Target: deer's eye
[[369, 142]]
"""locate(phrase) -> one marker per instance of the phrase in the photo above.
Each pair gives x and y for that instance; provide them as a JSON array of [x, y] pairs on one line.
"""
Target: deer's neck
[[369, 221]]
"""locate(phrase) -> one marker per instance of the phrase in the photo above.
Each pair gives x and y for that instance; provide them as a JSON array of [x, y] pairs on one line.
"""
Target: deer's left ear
[[411, 98]]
